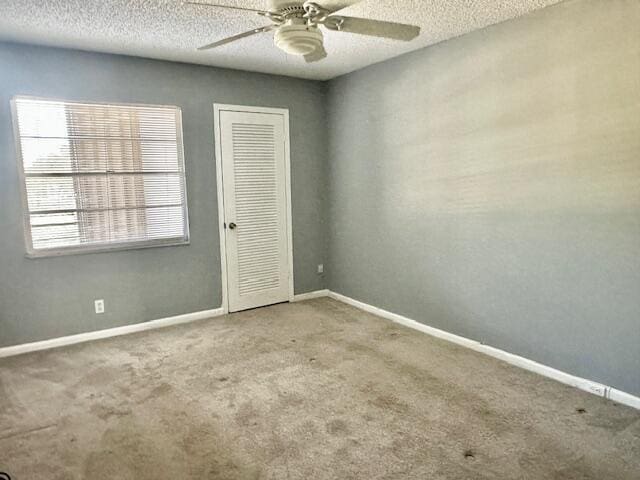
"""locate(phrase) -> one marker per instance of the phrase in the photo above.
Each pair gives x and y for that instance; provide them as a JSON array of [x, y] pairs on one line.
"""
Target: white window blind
[[100, 176]]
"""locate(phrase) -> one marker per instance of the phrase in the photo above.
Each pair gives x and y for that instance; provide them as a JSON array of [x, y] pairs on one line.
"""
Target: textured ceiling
[[167, 29]]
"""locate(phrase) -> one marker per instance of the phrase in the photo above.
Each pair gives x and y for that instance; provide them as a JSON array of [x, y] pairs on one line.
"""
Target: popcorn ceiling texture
[[169, 30]]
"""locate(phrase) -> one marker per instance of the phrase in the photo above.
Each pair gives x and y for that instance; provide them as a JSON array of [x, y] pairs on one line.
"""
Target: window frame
[[35, 253]]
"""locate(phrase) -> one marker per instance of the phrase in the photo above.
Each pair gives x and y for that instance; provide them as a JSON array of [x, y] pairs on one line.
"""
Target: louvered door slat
[[253, 167]]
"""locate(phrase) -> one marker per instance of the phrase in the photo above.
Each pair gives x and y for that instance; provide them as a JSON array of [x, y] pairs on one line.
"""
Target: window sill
[[60, 252]]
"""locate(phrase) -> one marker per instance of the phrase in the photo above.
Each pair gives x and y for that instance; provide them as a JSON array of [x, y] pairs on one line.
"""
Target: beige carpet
[[314, 390]]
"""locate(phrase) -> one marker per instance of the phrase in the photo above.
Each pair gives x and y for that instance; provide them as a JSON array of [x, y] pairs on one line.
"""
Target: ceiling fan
[[296, 25]]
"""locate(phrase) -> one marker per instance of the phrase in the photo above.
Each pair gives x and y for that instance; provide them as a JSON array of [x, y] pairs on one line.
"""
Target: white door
[[252, 148]]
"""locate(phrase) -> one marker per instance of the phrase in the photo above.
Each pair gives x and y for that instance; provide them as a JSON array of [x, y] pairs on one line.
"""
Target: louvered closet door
[[253, 170]]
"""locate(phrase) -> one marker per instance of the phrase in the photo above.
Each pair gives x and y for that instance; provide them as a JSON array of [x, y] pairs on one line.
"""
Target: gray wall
[[490, 186], [51, 297]]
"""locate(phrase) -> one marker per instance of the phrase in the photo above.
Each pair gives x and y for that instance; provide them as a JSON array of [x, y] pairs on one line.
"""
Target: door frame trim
[[217, 108]]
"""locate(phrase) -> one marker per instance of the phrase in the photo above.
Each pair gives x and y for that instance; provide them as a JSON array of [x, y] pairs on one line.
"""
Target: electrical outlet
[[320, 269], [99, 304]]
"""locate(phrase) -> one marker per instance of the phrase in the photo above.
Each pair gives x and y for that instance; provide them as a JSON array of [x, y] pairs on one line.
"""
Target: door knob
[[232, 226]]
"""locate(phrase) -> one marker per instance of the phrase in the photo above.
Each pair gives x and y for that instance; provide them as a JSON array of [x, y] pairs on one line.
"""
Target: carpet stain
[[338, 427]]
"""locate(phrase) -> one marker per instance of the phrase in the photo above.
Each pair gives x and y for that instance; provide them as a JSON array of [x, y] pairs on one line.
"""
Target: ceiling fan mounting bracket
[[315, 13], [334, 23]]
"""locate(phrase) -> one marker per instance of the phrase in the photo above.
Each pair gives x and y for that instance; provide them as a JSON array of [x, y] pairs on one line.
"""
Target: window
[[100, 176]]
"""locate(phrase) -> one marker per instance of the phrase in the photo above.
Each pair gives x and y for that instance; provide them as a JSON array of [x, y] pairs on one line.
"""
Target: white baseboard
[[126, 329], [582, 383], [310, 295], [109, 332], [624, 398]]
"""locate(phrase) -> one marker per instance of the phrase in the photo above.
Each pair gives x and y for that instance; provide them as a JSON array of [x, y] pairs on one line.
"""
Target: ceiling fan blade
[[374, 28], [316, 56], [237, 37], [205, 4]]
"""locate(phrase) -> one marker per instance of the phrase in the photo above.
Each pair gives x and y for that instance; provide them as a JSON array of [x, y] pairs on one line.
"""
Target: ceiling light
[[298, 39]]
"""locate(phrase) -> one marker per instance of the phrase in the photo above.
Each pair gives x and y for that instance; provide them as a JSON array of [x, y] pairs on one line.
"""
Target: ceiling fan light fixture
[[298, 39]]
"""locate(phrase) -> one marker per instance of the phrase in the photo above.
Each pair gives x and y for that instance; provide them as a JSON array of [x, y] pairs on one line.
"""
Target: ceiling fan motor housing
[[297, 38], [280, 4]]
